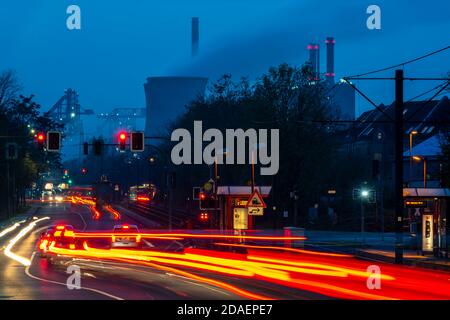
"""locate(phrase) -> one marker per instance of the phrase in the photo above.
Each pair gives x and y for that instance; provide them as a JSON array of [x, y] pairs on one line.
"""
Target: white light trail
[[20, 235], [10, 229]]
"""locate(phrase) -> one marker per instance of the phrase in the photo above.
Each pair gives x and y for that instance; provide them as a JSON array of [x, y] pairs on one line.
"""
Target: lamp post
[[411, 134], [364, 196], [152, 161], [223, 153], [418, 159]]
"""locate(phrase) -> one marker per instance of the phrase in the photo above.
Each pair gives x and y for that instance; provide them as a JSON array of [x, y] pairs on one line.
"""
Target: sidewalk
[[373, 246], [411, 258]]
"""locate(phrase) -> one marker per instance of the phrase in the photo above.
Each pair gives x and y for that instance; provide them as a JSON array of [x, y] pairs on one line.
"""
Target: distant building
[[166, 99], [372, 138], [342, 96]]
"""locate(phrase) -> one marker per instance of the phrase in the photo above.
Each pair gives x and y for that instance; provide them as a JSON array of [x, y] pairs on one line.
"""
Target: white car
[[120, 240]]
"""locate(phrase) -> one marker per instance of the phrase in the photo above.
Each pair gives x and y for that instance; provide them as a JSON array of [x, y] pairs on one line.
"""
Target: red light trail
[[334, 276]]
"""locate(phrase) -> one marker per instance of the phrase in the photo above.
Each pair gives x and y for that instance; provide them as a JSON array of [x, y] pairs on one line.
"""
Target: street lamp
[[365, 193], [411, 134], [418, 159]]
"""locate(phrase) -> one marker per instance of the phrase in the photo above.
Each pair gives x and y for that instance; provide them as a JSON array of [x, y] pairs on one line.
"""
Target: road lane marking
[[82, 219], [87, 274], [28, 273]]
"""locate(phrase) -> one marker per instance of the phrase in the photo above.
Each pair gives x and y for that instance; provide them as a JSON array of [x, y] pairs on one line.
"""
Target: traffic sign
[[256, 200], [209, 186], [240, 219], [255, 211]]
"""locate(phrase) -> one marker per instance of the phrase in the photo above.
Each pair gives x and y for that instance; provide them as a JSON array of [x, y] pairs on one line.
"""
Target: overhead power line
[[401, 64], [429, 100], [426, 92]]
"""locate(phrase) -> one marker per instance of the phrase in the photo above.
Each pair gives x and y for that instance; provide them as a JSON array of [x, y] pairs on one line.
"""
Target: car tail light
[[69, 233], [43, 245]]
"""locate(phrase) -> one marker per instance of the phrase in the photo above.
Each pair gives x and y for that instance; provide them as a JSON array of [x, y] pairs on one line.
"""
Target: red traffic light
[[202, 196], [122, 140], [204, 216], [40, 139]]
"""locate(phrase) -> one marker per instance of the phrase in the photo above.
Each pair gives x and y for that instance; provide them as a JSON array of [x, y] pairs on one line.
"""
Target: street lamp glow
[[365, 193]]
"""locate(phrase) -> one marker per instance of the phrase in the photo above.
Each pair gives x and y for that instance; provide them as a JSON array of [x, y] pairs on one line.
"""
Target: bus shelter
[[428, 214]]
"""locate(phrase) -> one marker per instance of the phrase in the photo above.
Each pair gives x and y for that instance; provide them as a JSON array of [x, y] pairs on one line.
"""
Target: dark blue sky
[[123, 42]]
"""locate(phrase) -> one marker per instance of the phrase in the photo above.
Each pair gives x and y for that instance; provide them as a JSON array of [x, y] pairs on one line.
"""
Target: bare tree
[[9, 88]]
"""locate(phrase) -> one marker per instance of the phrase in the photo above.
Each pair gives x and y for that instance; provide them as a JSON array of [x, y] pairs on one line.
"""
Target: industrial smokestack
[[314, 59], [195, 36], [330, 60]]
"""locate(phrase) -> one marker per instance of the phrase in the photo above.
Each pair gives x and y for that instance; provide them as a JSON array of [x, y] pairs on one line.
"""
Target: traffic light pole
[[398, 155]]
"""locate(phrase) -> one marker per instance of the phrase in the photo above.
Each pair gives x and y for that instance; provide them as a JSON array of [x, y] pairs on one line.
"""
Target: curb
[[429, 264]]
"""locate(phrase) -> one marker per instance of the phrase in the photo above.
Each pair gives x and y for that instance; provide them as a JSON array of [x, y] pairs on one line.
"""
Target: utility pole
[[363, 239], [398, 177]]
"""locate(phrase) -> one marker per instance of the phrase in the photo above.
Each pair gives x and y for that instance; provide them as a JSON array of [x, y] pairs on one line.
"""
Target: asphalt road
[[192, 273], [43, 279]]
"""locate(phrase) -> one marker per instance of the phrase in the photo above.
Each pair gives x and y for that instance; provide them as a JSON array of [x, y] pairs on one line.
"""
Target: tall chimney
[[314, 59], [330, 60], [195, 36]]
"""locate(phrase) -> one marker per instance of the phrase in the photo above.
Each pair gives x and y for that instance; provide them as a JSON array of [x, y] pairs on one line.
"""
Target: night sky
[[123, 42]]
